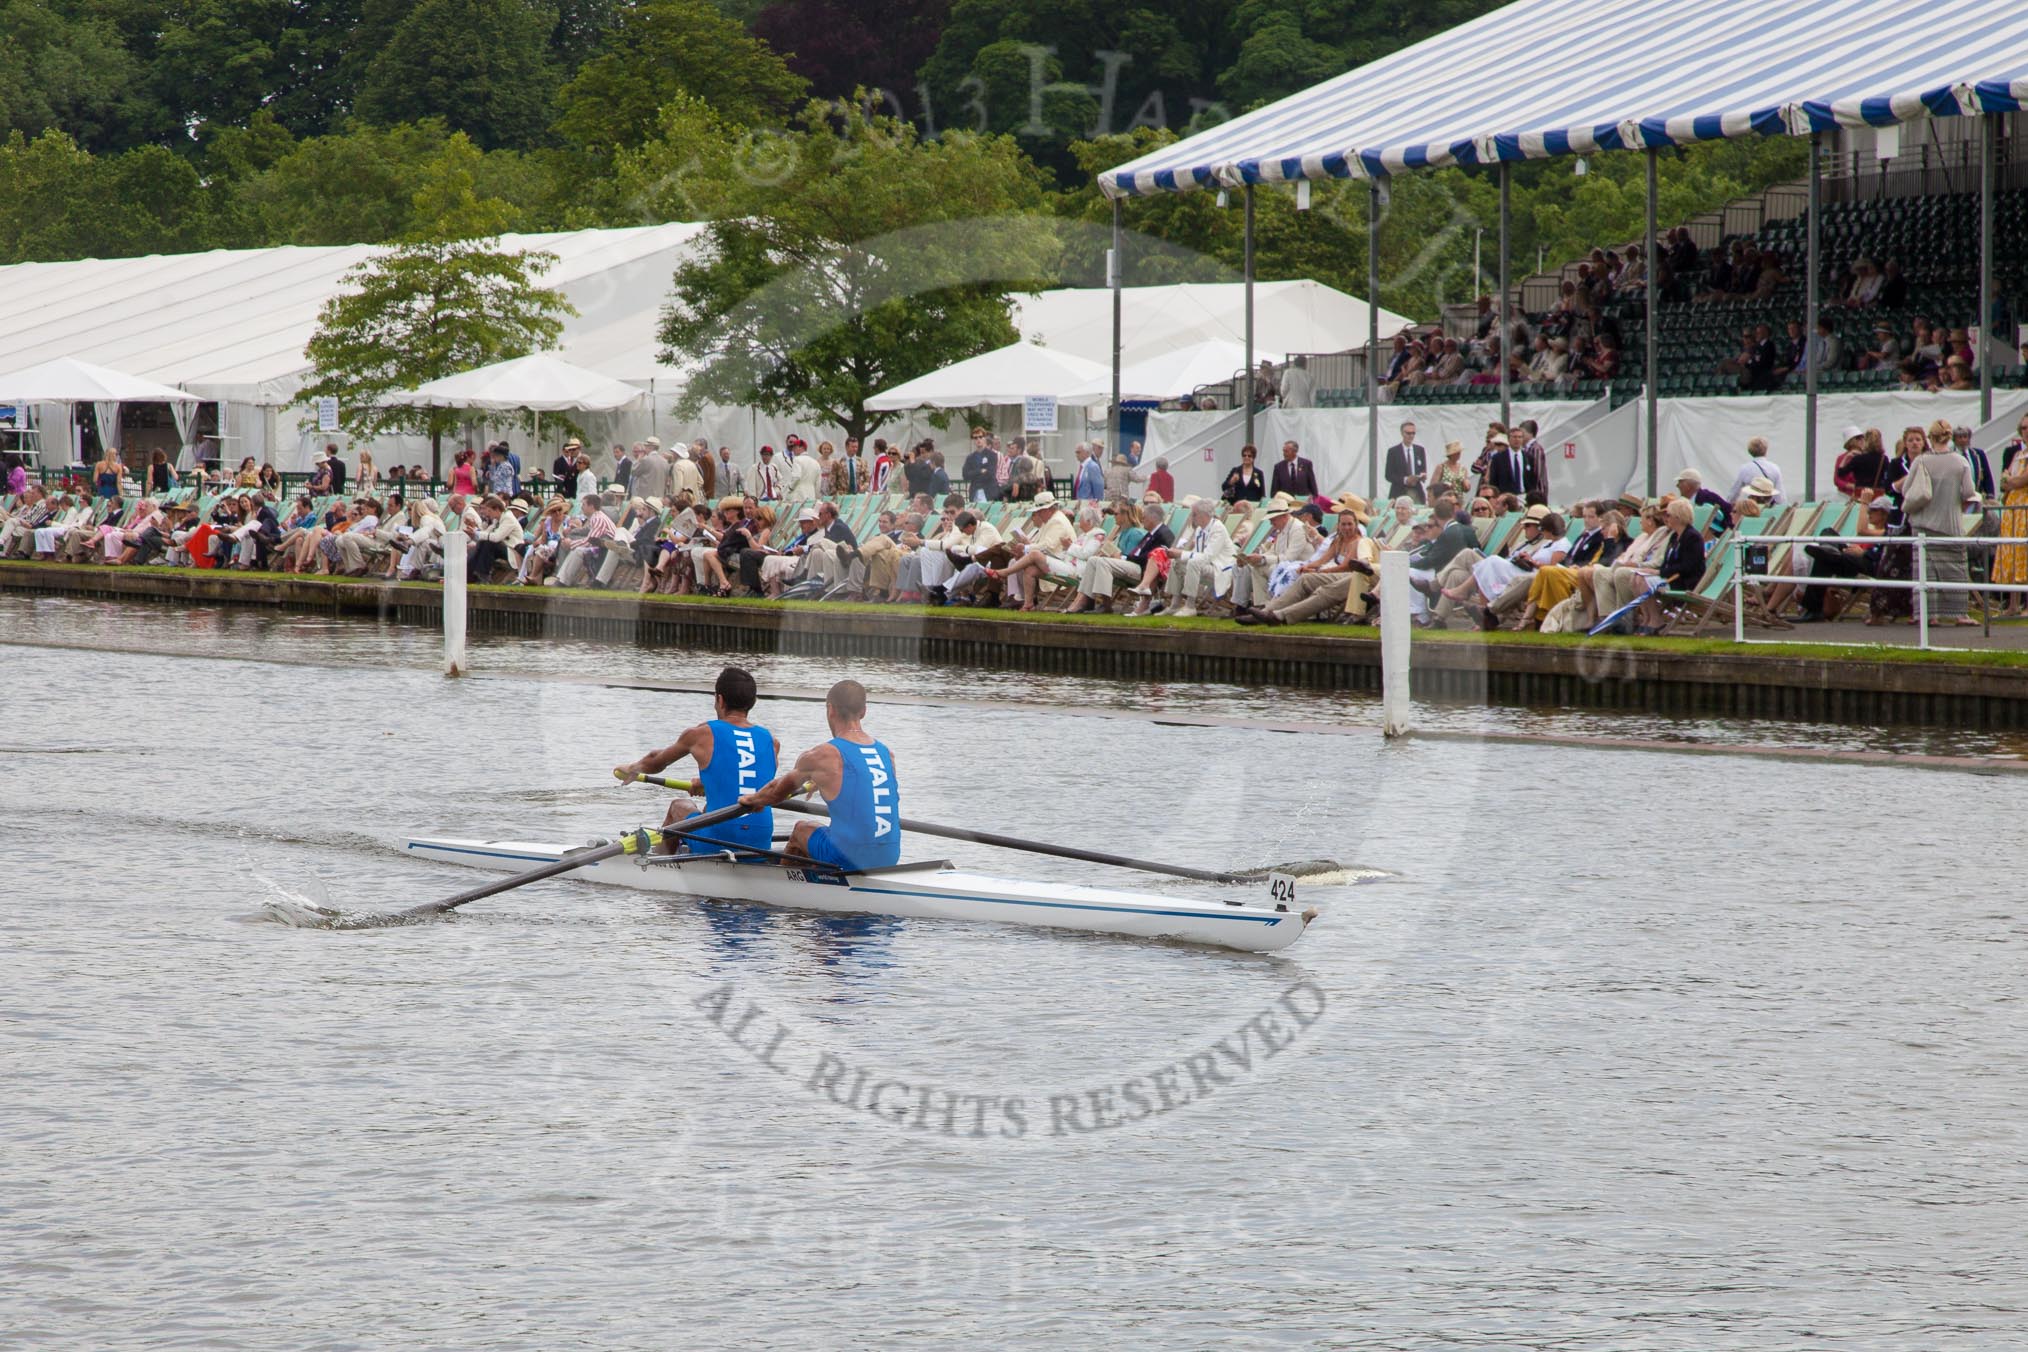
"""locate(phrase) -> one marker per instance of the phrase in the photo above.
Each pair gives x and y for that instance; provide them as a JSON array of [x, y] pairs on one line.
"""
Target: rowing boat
[[933, 890]]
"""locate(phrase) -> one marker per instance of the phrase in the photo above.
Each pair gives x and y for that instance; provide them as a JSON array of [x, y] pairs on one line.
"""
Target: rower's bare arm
[[657, 761], [819, 768]]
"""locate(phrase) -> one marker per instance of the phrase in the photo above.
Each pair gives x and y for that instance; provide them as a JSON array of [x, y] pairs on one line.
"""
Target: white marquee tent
[[541, 382], [1006, 375], [1300, 316]]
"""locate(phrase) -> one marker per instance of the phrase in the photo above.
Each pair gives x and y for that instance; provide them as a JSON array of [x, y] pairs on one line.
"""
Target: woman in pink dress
[[463, 478]]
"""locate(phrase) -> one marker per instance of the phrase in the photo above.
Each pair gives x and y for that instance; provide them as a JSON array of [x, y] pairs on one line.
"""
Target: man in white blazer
[[1201, 562], [1290, 541]]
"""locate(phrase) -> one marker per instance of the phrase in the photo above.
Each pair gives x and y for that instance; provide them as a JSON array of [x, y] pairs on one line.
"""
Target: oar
[[1004, 842], [632, 843]]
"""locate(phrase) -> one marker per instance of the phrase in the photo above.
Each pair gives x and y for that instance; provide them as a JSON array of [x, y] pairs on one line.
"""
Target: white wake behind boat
[[935, 890]]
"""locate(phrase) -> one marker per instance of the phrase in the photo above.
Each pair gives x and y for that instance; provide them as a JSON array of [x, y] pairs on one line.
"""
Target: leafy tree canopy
[[481, 66], [664, 48], [845, 255], [422, 311]]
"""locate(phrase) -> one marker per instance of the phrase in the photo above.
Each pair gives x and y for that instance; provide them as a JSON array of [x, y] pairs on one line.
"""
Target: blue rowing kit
[[865, 827], [742, 762]]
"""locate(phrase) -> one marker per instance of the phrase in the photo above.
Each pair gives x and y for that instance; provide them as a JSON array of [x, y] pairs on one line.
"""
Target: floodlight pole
[[1372, 339], [1812, 302], [1246, 382], [1506, 327], [1985, 268], [1118, 266], [1651, 375]]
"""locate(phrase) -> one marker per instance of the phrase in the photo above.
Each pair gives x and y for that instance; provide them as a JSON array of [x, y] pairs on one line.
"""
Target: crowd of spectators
[[1488, 546]]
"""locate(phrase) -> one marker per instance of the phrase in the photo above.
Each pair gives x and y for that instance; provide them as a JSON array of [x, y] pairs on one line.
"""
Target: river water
[[1635, 1050]]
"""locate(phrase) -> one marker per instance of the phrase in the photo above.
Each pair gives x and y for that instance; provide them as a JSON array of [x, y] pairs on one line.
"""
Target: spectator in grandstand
[[1298, 387], [1862, 287], [1448, 367], [1826, 351], [1884, 352], [1893, 292]]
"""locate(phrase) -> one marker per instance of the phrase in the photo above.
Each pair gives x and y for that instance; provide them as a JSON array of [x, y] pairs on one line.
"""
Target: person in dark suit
[[1408, 467], [1504, 466], [1980, 462], [1534, 459], [1244, 484], [1761, 360], [1294, 475]]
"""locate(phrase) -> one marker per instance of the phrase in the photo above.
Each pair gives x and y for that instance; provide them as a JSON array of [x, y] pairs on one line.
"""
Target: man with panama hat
[[1341, 574], [1261, 574]]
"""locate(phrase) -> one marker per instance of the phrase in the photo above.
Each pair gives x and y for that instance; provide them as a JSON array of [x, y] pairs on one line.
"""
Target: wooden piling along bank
[[1601, 675]]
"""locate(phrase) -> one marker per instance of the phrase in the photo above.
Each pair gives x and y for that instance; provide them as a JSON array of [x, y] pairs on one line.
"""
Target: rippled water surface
[[1638, 1051]]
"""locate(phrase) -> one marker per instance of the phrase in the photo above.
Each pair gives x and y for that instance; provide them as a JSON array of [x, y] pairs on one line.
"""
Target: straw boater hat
[[1354, 504]]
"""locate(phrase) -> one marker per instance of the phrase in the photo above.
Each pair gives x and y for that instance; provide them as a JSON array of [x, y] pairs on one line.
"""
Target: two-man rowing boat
[[722, 848], [933, 890]]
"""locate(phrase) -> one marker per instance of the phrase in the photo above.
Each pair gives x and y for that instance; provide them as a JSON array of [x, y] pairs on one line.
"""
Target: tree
[[59, 201], [664, 48], [370, 185], [60, 71], [844, 256], [839, 47], [481, 66], [421, 311]]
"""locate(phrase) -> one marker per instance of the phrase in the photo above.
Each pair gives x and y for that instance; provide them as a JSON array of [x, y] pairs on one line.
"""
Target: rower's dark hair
[[736, 687], [847, 699]]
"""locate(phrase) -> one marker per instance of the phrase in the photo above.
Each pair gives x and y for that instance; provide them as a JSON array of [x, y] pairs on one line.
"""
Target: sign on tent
[[1038, 412], [327, 413]]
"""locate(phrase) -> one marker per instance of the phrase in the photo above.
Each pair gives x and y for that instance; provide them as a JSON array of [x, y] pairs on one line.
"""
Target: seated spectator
[[1200, 566], [1340, 576], [1106, 574], [1046, 547], [1630, 576], [1681, 566], [1265, 573], [1837, 560], [1690, 485], [1499, 586], [499, 539]]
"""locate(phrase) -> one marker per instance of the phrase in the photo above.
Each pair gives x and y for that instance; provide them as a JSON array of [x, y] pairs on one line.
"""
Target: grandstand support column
[[1985, 267], [1116, 265], [1372, 339], [1501, 317], [1650, 370], [1812, 300], [1246, 382]]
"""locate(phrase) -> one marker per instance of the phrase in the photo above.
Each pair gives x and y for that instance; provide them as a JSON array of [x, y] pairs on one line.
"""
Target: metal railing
[[1921, 584]]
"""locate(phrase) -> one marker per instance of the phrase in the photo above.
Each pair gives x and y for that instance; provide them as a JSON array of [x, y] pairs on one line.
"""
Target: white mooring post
[[1394, 632], [454, 603]]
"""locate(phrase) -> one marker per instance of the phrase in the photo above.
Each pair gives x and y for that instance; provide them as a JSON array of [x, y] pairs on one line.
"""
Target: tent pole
[[1504, 320], [1812, 302], [1372, 339], [1119, 265], [1246, 385], [1652, 376], [1985, 268]]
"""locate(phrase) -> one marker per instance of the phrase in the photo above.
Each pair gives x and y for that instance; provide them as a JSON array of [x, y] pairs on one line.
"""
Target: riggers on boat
[[930, 890]]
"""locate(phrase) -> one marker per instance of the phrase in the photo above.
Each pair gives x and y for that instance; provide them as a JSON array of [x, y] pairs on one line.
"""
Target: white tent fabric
[[1170, 375], [1298, 316], [541, 382], [1619, 75], [67, 380], [1006, 375], [232, 324]]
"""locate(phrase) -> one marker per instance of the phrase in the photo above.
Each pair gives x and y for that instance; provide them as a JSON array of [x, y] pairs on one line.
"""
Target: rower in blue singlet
[[855, 775], [734, 756]]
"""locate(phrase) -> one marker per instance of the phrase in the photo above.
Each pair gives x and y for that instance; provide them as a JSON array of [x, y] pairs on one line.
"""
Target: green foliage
[[373, 185], [68, 72], [423, 311], [481, 66], [660, 50], [845, 255], [58, 201]]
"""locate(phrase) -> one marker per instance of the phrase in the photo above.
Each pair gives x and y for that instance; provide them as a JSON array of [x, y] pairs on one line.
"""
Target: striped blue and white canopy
[[1568, 77]]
